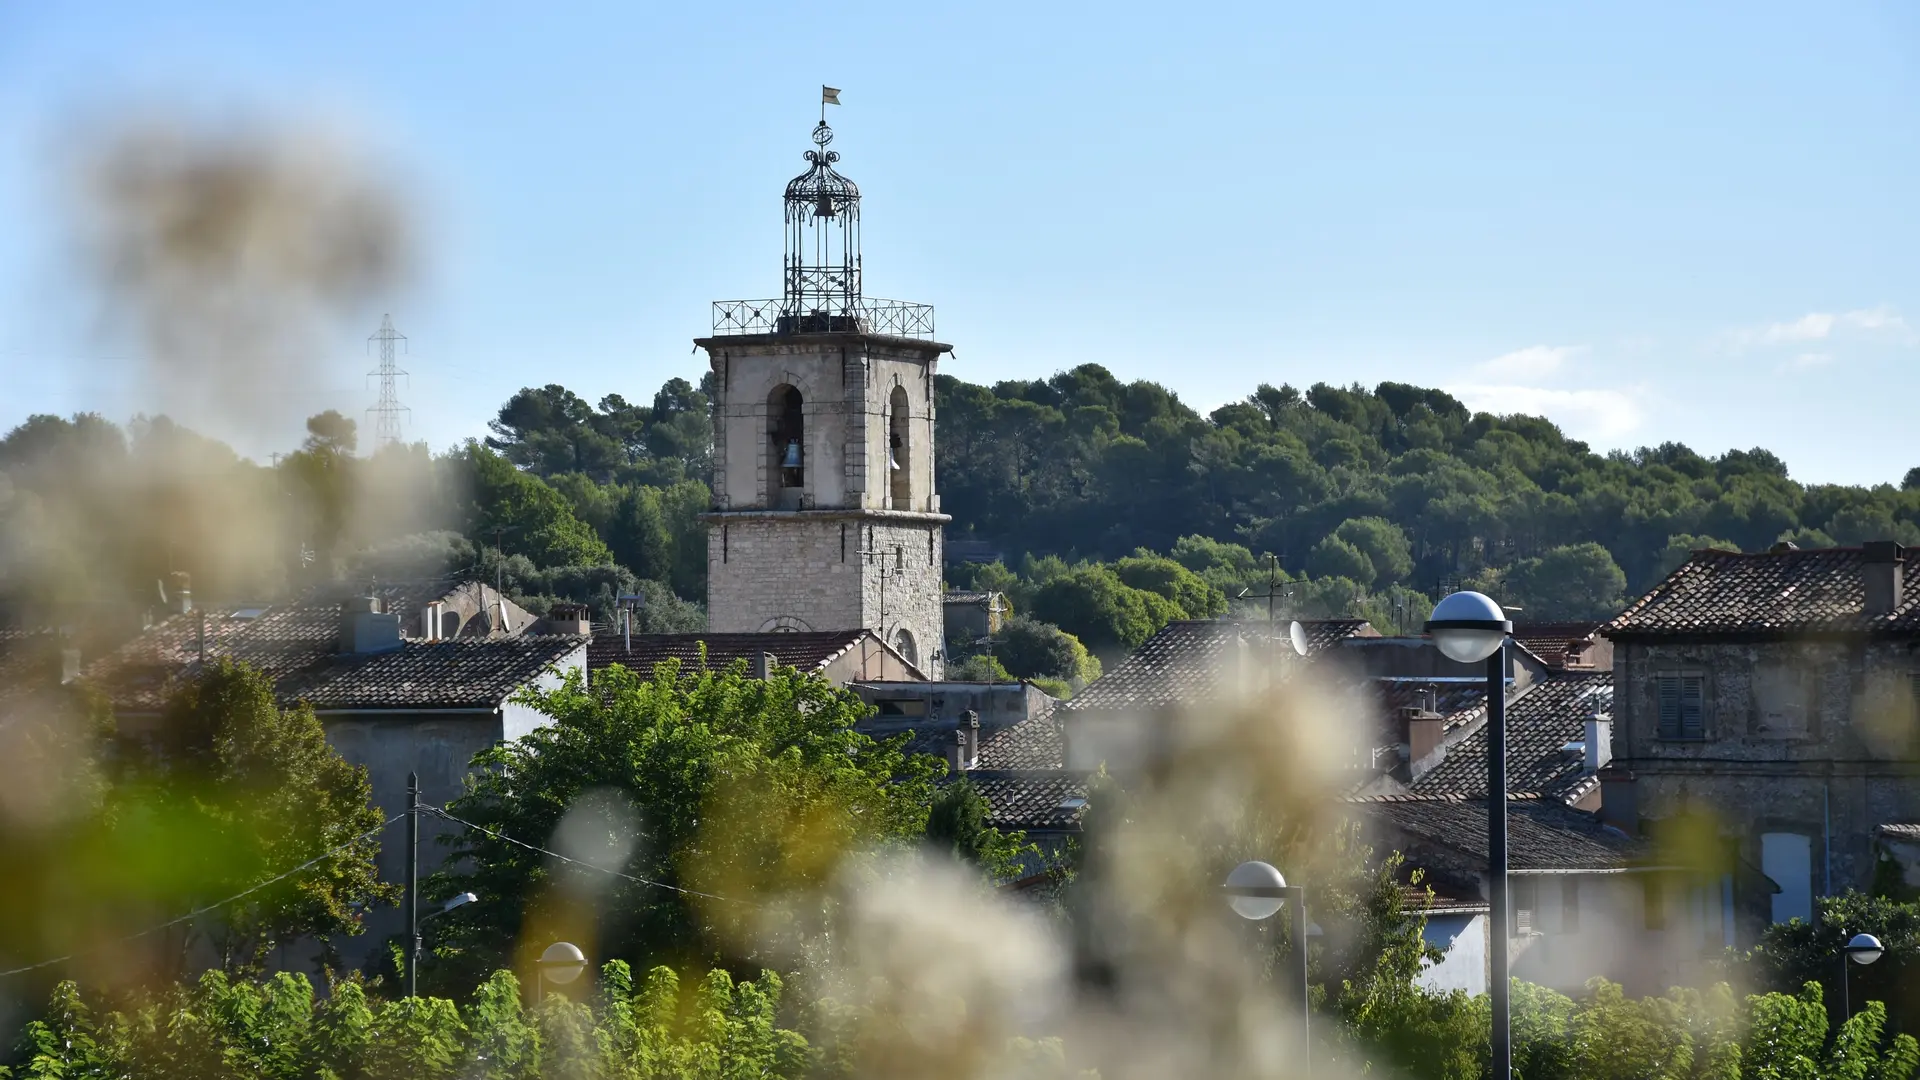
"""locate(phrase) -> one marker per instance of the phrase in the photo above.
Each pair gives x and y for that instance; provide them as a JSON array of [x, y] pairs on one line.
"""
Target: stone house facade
[[1773, 695]]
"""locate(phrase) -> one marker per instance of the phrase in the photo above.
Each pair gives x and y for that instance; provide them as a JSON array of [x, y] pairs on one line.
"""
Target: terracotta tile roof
[[1460, 703], [1034, 743], [1903, 830], [1541, 721], [1541, 835], [1188, 661], [429, 674], [1819, 590], [297, 644], [1551, 642], [808, 652], [1041, 800]]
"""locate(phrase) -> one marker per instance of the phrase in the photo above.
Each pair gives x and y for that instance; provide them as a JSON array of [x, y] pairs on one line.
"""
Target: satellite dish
[[1298, 635]]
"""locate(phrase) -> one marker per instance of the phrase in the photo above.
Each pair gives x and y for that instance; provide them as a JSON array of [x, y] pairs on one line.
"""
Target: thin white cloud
[[1809, 360], [1823, 326], [1528, 363], [1601, 416]]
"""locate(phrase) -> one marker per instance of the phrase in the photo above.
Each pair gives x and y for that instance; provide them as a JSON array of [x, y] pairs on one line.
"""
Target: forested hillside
[[1115, 506]]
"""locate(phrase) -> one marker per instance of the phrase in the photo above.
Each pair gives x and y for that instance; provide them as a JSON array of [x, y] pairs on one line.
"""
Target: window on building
[[1682, 705], [1569, 905], [901, 706], [1526, 900], [1787, 860], [1653, 894]]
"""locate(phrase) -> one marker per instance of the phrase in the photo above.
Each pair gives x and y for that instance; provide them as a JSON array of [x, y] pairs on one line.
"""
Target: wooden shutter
[[1693, 713], [1683, 711]]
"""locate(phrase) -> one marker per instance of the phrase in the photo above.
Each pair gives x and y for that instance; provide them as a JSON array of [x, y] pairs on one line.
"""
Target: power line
[[437, 812], [386, 412], [197, 912]]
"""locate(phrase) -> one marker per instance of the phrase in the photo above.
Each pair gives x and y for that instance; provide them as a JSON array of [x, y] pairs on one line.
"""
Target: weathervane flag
[[829, 95]]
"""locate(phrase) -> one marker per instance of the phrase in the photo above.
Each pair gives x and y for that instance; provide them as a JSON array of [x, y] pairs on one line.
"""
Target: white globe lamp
[[1254, 890], [562, 962], [1468, 627], [1864, 949]]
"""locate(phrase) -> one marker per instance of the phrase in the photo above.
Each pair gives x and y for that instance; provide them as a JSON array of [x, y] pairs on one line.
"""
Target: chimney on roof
[[763, 665], [181, 597], [568, 619], [1883, 566], [1619, 800], [430, 620], [366, 628], [1424, 734], [957, 759], [970, 736], [1782, 547], [1599, 748], [69, 665]]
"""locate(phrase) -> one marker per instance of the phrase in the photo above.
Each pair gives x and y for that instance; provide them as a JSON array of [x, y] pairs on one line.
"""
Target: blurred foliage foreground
[[719, 1028]]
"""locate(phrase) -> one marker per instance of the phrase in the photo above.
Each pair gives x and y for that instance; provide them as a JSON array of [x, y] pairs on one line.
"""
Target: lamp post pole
[[1468, 628], [1497, 859], [1862, 949], [1256, 890], [413, 882]]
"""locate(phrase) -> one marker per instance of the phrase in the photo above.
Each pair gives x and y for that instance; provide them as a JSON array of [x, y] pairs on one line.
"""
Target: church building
[[825, 516]]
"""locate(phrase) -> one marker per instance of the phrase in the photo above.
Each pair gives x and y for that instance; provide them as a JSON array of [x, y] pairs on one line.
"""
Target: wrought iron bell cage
[[821, 289]]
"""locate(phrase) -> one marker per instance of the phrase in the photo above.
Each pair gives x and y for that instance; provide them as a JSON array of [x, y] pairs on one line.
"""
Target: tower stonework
[[825, 515]]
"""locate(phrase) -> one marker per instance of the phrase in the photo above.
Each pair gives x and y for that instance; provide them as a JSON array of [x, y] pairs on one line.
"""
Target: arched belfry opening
[[899, 452], [786, 448]]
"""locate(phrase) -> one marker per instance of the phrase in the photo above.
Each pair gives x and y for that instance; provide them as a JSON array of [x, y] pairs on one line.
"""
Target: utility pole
[[386, 412], [413, 883]]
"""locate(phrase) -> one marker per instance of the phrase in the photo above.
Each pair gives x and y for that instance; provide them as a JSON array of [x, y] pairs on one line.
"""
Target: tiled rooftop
[[1033, 743], [1541, 835], [1046, 801], [297, 644], [1190, 661], [1900, 830], [1777, 592], [805, 651], [1551, 642], [1541, 721]]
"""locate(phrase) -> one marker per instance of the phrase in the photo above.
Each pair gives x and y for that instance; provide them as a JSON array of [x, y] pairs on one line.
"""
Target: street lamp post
[[1255, 891], [1468, 627], [560, 964], [1862, 949], [413, 955]]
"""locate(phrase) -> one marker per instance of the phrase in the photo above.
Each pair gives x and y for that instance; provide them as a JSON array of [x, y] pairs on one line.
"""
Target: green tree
[[1334, 557], [1032, 649], [712, 781], [1384, 545], [639, 537], [1580, 581], [1094, 605], [1163, 576], [233, 791], [526, 515], [957, 825]]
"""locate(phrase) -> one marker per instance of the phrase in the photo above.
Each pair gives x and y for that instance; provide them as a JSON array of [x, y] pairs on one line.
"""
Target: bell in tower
[[825, 516]]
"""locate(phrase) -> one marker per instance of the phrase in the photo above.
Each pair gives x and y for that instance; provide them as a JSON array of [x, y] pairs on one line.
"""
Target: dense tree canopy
[[713, 782]]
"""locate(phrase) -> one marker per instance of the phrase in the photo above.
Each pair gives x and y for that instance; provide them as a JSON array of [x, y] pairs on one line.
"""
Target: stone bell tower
[[824, 511]]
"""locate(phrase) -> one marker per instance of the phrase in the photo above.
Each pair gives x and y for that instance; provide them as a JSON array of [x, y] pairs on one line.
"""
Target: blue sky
[[1649, 222]]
